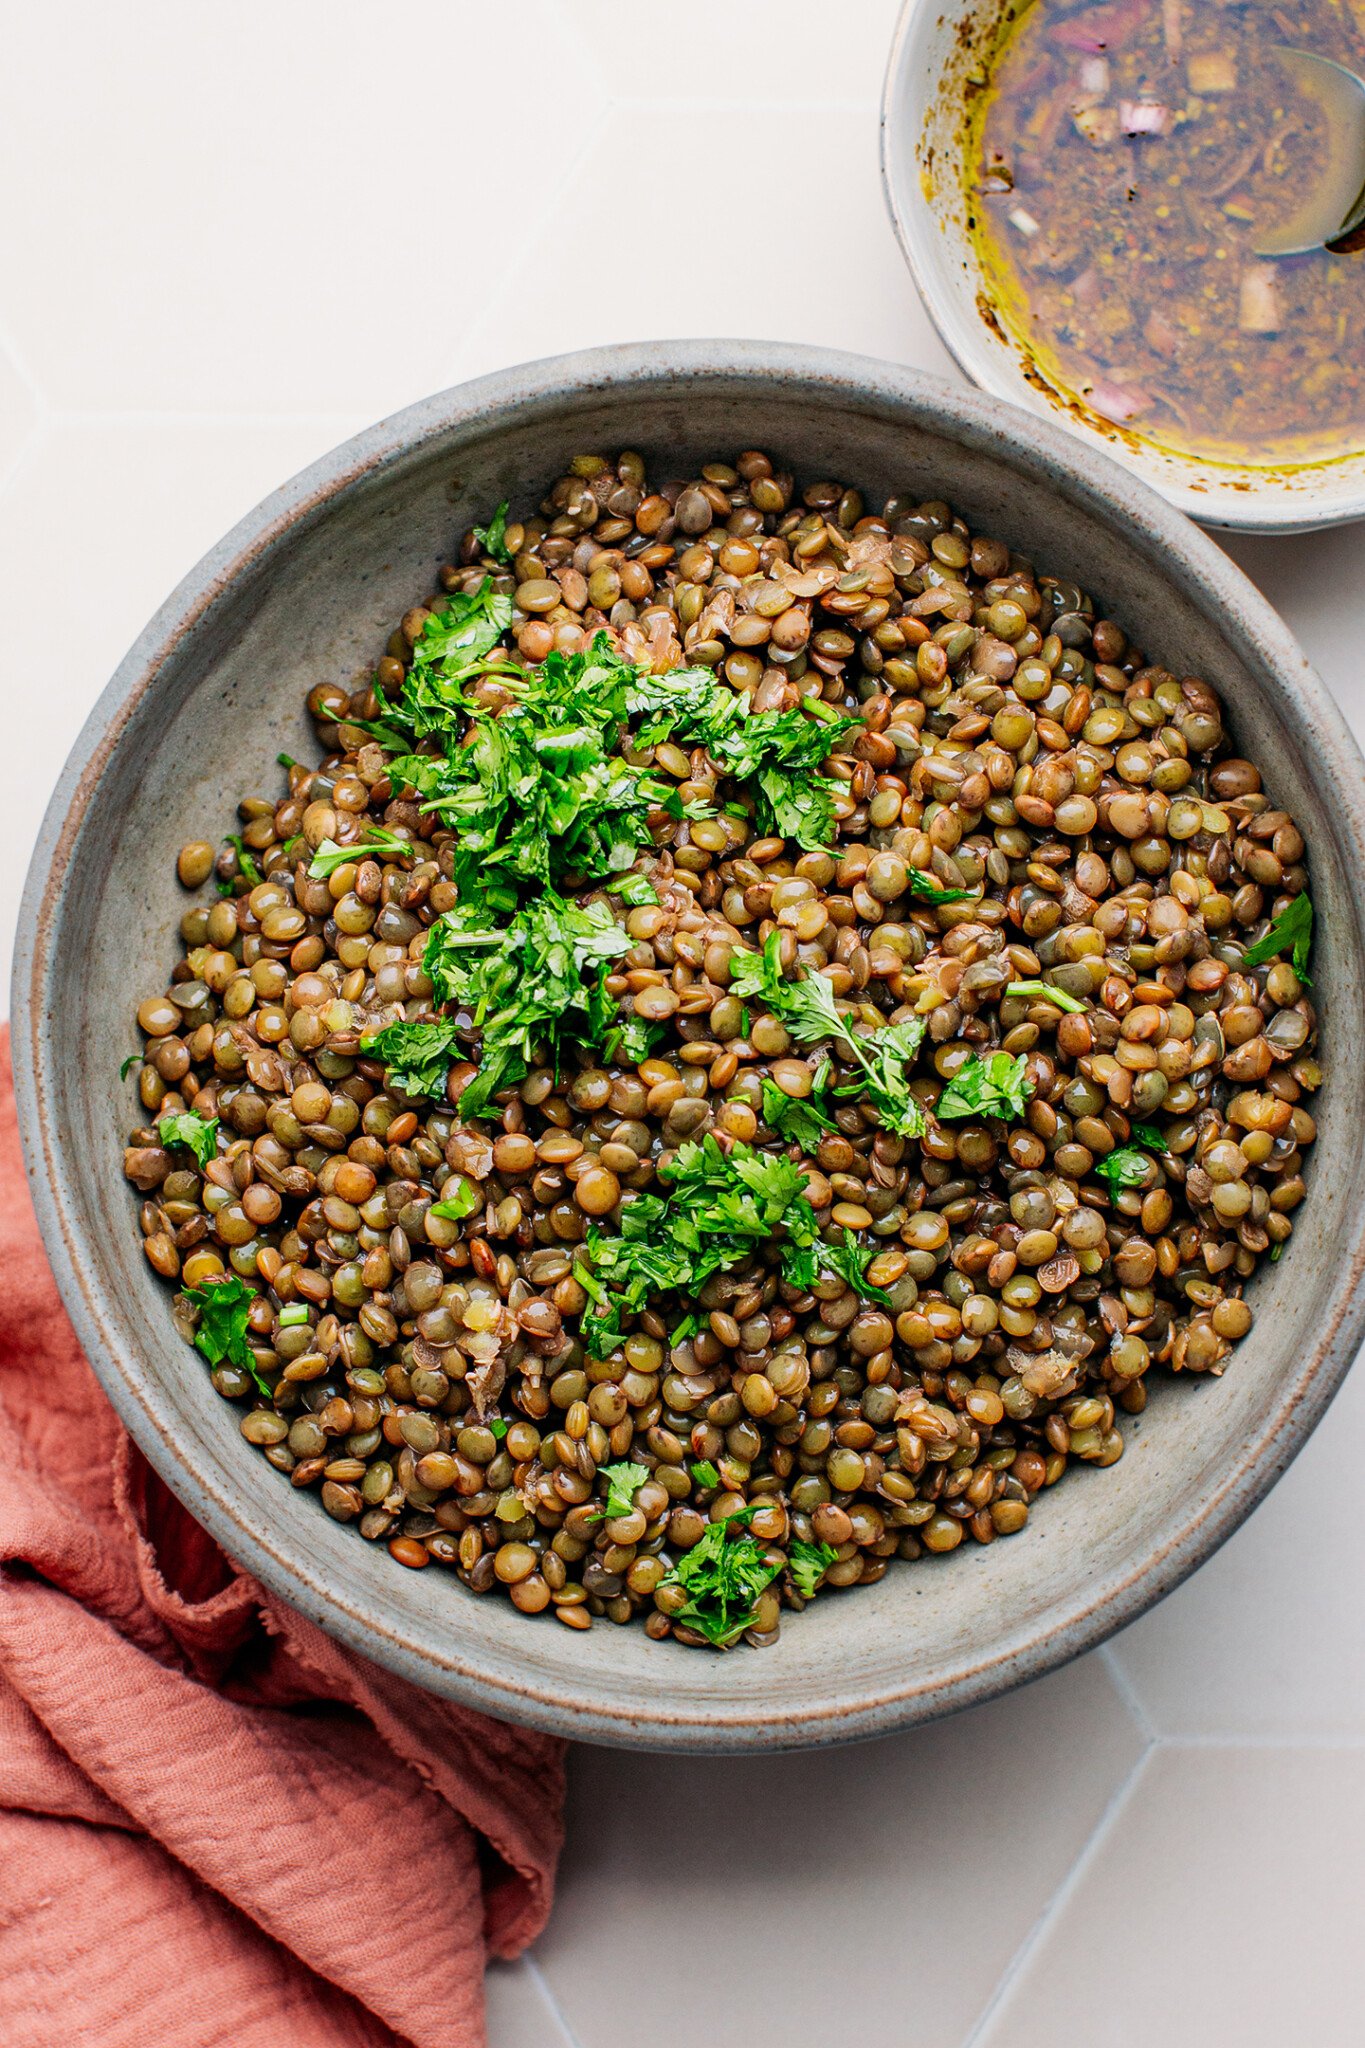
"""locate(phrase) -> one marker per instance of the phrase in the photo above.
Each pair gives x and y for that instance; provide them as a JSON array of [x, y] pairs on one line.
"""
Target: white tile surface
[[830, 1888], [1222, 1907], [98, 523], [521, 2013], [230, 238]]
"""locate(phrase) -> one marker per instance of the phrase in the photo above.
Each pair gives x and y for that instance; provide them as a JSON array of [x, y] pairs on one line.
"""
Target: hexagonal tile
[[791, 240], [764, 53], [1222, 1906], [264, 208], [1269, 1637], [97, 525], [885, 1886]]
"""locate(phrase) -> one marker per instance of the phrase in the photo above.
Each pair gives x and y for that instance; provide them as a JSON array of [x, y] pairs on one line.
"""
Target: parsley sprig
[[224, 1304], [811, 1014], [723, 1576]]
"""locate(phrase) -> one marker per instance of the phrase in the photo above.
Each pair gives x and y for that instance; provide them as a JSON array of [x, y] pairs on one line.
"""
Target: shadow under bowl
[[306, 589]]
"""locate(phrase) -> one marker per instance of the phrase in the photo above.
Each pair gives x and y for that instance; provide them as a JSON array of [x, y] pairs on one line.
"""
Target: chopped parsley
[[454, 1208], [126, 1066], [378, 843], [287, 761], [623, 1483], [799, 1118], [850, 1261], [499, 1427], [1292, 928], [293, 1315], [704, 1474], [538, 982], [224, 1303], [930, 891], [1044, 992], [632, 1040], [722, 1576], [721, 1208], [994, 1086], [417, 1052], [246, 866], [493, 537], [1126, 1166], [634, 889], [810, 1012], [200, 1133], [808, 1563]]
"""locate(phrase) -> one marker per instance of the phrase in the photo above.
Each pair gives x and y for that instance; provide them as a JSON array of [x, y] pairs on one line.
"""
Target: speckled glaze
[[306, 589]]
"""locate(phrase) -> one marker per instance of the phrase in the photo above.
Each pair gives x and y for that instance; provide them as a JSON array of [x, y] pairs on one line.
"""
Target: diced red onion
[[1093, 75], [1023, 220], [1102, 28], [1144, 117], [1115, 402]]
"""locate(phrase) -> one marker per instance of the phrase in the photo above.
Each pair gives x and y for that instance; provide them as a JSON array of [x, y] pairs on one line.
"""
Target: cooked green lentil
[[967, 1119]]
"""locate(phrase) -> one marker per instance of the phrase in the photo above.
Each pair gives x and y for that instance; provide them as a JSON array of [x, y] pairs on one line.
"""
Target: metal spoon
[[1335, 204]]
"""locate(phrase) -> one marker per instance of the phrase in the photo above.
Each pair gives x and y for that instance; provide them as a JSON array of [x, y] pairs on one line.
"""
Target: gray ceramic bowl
[[305, 589]]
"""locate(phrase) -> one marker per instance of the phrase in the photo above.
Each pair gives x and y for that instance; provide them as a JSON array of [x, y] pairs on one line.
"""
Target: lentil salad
[[765, 1025]]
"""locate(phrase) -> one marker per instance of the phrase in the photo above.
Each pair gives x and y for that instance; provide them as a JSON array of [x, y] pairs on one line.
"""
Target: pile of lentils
[[1015, 744]]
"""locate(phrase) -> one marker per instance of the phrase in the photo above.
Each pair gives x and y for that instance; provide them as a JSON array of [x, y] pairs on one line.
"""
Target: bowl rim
[[279, 1555], [1218, 503]]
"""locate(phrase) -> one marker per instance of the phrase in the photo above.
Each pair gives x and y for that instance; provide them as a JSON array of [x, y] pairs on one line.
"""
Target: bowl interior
[[307, 590], [938, 49]]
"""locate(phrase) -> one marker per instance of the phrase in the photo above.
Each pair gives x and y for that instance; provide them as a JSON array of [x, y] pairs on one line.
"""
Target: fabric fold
[[215, 1823]]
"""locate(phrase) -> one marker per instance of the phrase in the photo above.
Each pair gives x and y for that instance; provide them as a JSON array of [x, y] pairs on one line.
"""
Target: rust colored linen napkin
[[217, 1826]]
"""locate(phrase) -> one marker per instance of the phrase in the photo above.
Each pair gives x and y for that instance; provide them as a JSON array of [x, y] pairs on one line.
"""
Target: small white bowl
[[937, 46]]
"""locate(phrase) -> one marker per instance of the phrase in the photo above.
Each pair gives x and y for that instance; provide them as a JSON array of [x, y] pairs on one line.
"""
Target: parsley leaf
[[779, 753], [632, 1040], [1043, 991], [198, 1132], [994, 1086], [378, 843], [224, 1304], [723, 1576], [126, 1066], [493, 537], [417, 1052], [704, 1473], [454, 1208], [623, 1483], [850, 1261], [1293, 928], [1126, 1166], [799, 1118], [808, 1563], [499, 1427], [633, 889], [925, 887]]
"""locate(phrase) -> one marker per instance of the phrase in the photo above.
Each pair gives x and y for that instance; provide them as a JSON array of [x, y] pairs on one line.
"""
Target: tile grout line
[[1033, 1940], [542, 1983], [489, 308], [1320, 1743], [1129, 1696]]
